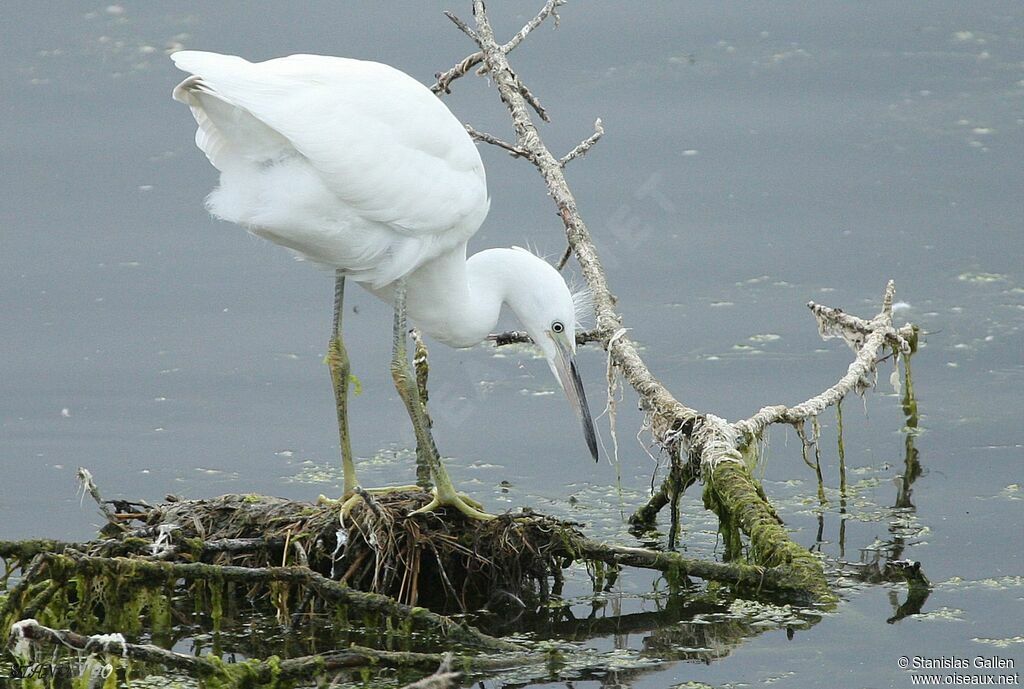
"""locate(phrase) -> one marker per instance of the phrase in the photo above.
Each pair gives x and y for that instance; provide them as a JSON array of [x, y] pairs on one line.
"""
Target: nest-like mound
[[441, 560]]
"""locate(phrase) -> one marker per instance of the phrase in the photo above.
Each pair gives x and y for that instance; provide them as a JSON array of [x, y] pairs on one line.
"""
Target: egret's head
[[549, 312]]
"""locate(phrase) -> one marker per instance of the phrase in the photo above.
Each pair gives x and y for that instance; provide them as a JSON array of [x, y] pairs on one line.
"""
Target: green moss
[[339, 617], [248, 674], [159, 605], [216, 589], [20, 553], [675, 577], [740, 504]]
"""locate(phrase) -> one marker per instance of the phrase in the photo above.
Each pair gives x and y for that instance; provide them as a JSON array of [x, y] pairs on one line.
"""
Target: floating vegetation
[[942, 614], [1007, 642], [979, 278], [248, 576]]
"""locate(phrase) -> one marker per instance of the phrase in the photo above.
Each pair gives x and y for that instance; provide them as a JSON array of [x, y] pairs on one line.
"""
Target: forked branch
[[712, 442]]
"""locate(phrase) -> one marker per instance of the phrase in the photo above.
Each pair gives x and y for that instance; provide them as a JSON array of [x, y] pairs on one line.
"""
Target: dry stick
[[880, 331], [327, 589], [565, 257], [583, 146], [445, 79], [89, 486], [549, 8], [658, 400], [495, 141]]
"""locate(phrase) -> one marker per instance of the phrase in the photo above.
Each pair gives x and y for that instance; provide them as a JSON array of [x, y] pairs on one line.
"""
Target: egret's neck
[[454, 300]]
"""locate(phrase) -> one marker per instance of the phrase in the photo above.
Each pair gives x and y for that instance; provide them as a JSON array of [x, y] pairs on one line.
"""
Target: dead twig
[[463, 26], [713, 443], [445, 79], [582, 148], [87, 485], [514, 150], [565, 257], [860, 374], [548, 10]]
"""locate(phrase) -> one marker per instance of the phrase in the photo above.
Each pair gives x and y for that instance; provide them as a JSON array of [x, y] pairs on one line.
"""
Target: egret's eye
[[557, 327]]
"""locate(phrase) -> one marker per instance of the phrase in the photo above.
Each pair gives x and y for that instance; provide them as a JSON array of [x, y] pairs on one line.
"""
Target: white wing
[[350, 163]]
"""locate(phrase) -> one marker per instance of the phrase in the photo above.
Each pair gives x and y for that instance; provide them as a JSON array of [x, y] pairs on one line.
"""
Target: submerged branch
[[327, 589], [256, 672], [775, 579]]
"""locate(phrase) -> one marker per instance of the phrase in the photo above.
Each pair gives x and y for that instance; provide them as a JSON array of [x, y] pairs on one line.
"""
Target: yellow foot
[[347, 502], [463, 503], [329, 502]]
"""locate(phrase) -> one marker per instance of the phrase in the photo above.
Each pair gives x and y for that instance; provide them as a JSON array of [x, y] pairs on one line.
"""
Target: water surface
[[756, 157]]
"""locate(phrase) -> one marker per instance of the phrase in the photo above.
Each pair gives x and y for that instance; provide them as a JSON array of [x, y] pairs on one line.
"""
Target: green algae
[[739, 501]]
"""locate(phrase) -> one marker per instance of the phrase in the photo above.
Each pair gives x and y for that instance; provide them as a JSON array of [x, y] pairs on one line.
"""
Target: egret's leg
[[338, 363], [405, 382], [422, 367]]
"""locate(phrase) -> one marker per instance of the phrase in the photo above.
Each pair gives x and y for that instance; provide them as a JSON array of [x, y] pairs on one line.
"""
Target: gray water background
[[757, 156]]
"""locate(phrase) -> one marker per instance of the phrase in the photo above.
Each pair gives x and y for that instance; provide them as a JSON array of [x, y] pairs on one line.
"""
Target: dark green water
[[756, 157]]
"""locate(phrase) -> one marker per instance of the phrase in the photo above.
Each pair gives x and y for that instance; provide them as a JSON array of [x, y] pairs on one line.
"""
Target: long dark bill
[[569, 377]]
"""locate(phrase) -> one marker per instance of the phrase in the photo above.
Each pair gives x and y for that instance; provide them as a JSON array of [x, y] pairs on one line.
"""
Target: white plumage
[[357, 166], [349, 163]]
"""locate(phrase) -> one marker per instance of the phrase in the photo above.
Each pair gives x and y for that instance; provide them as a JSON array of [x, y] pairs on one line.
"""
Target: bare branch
[[833, 321], [445, 79], [859, 375], [89, 486], [657, 400], [548, 10], [713, 443], [565, 257], [668, 414], [463, 26], [532, 100], [585, 145], [495, 141]]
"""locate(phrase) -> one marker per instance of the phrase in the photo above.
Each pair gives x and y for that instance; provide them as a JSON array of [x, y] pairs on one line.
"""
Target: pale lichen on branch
[[710, 440]]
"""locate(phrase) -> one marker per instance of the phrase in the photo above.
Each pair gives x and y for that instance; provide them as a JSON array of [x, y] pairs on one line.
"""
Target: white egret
[[356, 166]]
